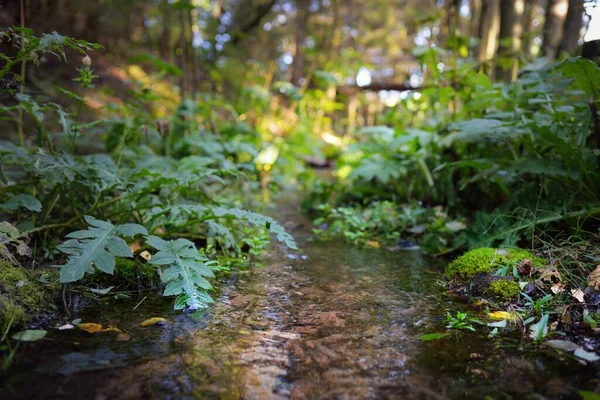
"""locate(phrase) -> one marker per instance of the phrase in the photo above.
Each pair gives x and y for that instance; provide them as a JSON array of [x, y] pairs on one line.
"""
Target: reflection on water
[[340, 323]]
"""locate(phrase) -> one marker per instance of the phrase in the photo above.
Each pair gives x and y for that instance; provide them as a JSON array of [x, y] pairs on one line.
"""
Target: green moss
[[504, 290], [125, 274], [11, 315], [24, 288], [486, 260]]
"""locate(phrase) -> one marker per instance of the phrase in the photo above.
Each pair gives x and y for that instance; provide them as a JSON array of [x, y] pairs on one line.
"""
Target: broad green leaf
[[186, 274], [22, 200], [585, 74], [96, 247], [30, 335]]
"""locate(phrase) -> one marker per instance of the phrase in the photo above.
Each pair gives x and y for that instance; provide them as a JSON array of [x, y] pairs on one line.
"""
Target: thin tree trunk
[[572, 27], [527, 22], [192, 20], [488, 32], [556, 12], [475, 8], [182, 52], [165, 41], [510, 38], [298, 65]]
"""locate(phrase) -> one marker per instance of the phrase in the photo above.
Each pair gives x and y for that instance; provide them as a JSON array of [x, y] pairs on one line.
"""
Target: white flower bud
[[86, 61]]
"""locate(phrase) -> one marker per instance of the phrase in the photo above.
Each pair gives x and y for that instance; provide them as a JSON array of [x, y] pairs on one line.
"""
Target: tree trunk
[[527, 22], [475, 8], [510, 39], [556, 12], [488, 32], [165, 40], [572, 27], [181, 52], [192, 21], [302, 20]]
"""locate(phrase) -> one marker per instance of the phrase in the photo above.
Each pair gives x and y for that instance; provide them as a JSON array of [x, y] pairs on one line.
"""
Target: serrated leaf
[[185, 276], [95, 247]]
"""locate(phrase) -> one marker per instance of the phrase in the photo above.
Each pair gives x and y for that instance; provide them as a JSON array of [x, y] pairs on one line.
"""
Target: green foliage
[[96, 247], [461, 321], [186, 272]]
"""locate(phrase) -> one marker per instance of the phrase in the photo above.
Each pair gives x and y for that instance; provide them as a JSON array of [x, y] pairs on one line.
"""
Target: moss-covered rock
[[24, 293], [487, 260], [504, 290], [24, 288]]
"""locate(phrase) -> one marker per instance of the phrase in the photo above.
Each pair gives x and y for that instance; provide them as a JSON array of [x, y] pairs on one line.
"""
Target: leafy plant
[[186, 272], [461, 321], [96, 247]]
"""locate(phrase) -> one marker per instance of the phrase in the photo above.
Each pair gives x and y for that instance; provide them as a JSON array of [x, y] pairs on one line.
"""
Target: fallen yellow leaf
[[153, 321], [90, 327], [501, 315], [373, 244]]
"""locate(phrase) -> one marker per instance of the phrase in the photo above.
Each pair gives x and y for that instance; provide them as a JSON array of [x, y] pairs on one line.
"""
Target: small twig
[[138, 304], [64, 300]]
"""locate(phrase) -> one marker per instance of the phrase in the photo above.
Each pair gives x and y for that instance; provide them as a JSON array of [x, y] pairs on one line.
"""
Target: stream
[[332, 322]]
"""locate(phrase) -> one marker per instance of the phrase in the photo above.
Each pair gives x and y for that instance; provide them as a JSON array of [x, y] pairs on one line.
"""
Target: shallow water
[[333, 323]]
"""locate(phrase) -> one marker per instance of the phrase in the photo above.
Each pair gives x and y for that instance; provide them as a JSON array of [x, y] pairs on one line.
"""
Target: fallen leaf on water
[[30, 335], [566, 345], [594, 278], [586, 355], [578, 294], [373, 244], [153, 321], [501, 315], [90, 327]]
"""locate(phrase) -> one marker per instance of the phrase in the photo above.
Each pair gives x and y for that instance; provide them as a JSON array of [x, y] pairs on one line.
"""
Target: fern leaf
[[96, 247], [186, 274]]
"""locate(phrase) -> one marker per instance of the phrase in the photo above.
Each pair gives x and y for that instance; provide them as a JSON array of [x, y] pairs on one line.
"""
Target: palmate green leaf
[[378, 168], [186, 274], [96, 247]]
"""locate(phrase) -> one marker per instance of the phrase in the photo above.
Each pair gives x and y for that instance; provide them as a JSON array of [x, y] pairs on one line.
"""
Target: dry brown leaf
[[578, 294], [153, 321], [135, 246], [551, 275], [525, 267], [90, 327], [594, 278], [557, 288]]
